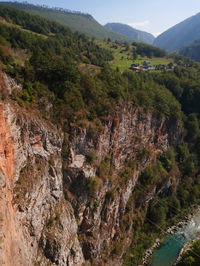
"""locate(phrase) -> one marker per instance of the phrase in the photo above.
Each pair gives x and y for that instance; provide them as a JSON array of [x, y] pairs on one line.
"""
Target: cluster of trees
[[54, 61], [57, 40], [191, 257], [183, 82], [192, 50], [148, 50], [27, 6], [30, 22]]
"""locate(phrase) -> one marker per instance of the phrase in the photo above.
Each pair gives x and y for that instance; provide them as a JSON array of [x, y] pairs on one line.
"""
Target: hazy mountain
[[131, 32], [76, 21], [180, 35]]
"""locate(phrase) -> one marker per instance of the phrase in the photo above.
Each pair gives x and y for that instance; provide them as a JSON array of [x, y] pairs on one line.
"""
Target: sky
[[154, 16]]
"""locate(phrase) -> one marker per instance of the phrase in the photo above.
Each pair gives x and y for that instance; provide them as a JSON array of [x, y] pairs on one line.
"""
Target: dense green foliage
[[60, 38], [192, 51], [191, 257], [54, 63], [148, 50], [184, 84], [138, 35], [32, 23], [180, 35], [172, 203], [76, 21]]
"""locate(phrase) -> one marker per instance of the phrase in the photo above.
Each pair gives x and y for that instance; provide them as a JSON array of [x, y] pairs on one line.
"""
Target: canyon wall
[[99, 193], [63, 198], [37, 223]]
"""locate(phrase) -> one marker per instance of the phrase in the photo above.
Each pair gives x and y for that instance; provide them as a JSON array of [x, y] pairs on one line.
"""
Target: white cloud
[[139, 24]]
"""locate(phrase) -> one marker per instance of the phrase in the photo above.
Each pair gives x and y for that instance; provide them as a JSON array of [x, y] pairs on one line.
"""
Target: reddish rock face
[[10, 243], [7, 159], [36, 224]]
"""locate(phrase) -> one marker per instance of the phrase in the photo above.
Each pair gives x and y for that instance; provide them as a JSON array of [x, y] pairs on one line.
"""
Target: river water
[[168, 252]]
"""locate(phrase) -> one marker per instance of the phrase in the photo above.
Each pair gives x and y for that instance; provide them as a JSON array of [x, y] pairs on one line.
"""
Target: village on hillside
[[146, 66]]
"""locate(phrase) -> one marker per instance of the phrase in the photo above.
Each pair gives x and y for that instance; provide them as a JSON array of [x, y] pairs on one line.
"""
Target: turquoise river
[[168, 252]]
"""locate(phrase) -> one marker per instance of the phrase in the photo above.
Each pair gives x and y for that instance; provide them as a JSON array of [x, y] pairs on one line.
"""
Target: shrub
[[93, 185], [110, 195], [104, 168], [91, 157]]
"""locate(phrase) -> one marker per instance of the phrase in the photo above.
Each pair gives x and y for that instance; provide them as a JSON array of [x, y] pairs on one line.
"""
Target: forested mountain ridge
[[192, 50], [124, 29], [76, 21], [180, 35], [90, 160]]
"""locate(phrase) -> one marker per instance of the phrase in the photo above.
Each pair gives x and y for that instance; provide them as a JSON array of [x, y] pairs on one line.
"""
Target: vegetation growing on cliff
[[56, 86]]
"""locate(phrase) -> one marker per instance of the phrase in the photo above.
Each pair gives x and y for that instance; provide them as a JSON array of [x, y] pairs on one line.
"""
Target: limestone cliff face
[[130, 136], [61, 208], [37, 224]]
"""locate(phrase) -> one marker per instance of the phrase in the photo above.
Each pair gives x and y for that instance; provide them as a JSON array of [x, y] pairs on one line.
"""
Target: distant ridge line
[[60, 9]]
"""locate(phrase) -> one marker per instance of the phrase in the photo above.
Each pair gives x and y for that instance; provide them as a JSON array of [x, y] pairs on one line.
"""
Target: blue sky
[[154, 16]]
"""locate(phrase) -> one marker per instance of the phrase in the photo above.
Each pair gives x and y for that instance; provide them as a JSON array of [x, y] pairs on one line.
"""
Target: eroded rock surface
[[129, 135], [37, 224], [61, 208]]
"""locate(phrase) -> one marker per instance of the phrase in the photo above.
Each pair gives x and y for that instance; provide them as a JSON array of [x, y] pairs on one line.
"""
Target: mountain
[[180, 35], [76, 21], [131, 32], [192, 50]]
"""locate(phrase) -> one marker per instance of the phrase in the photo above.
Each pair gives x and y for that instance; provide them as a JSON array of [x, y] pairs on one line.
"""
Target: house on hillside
[[146, 64], [170, 66], [160, 67]]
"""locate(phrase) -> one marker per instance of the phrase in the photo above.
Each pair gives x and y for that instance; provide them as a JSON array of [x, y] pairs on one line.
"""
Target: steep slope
[[37, 225], [124, 29], [76, 21], [87, 158], [180, 35], [192, 50], [101, 206], [39, 213]]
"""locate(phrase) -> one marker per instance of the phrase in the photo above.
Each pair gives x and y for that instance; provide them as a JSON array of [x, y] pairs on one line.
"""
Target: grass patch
[[123, 57]]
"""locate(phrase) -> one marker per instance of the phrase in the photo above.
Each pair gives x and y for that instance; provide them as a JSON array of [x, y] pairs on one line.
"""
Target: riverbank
[[185, 248], [170, 231]]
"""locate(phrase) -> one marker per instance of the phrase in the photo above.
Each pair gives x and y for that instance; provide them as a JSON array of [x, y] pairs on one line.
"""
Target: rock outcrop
[[64, 208], [130, 140], [37, 224]]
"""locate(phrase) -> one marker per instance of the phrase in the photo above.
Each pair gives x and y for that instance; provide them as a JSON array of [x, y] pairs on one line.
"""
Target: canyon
[[64, 197]]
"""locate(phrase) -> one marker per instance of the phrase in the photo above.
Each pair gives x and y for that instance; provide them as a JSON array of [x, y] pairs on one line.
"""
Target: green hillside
[[180, 35], [139, 35], [125, 55], [192, 51], [76, 21]]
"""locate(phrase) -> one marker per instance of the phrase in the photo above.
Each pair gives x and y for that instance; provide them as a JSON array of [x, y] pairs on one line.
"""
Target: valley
[[97, 159]]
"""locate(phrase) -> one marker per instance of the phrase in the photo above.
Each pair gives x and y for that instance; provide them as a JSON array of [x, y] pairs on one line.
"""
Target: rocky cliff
[[99, 194], [64, 197]]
